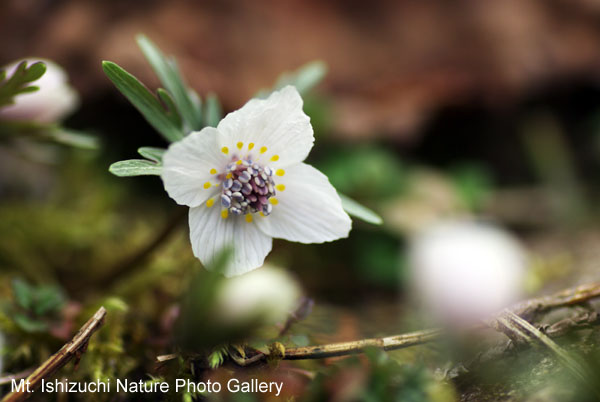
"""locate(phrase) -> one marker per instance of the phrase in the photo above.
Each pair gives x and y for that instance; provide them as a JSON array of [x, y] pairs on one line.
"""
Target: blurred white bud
[[267, 293], [463, 271], [54, 100]]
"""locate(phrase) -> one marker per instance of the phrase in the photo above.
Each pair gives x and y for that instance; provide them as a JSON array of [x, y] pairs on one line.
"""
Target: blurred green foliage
[[366, 172], [33, 304], [379, 379], [474, 185]]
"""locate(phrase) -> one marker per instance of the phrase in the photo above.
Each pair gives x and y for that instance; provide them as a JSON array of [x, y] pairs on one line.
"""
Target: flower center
[[247, 187]]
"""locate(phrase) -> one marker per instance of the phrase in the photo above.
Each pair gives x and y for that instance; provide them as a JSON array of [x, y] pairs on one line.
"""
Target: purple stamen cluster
[[248, 189]]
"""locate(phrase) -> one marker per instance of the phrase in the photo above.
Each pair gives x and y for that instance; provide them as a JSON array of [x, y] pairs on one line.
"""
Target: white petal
[[308, 210], [187, 165], [277, 123], [210, 233]]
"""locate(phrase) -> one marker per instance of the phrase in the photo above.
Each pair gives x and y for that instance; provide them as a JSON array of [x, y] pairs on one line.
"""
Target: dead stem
[[74, 349], [519, 330], [346, 348], [567, 297]]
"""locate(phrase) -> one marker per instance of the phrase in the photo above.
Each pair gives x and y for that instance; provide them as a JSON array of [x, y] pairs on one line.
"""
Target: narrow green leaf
[[353, 208], [47, 132], [29, 89], [34, 72], [18, 82], [197, 101], [167, 71], [167, 100], [135, 167], [73, 138], [304, 79], [213, 112], [154, 154], [143, 100]]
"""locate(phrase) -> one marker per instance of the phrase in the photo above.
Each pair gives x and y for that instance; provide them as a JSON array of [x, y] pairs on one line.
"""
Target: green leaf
[[135, 167], [213, 112], [144, 101], [18, 82], [304, 79], [217, 357], [196, 100], [154, 154], [73, 138], [359, 211], [167, 71], [48, 299], [40, 300], [28, 324], [167, 100], [23, 293], [46, 132]]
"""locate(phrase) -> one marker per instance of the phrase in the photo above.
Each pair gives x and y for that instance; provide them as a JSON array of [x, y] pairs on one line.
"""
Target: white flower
[[245, 183], [54, 100], [268, 294], [463, 270]]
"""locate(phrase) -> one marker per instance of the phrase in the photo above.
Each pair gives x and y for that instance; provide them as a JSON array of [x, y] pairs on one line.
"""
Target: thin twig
[[74, 349], [560, 328], [247, 361], [582, 321], [567, 297], [564, 298], [516, 327], [346, 348], [302, 311]]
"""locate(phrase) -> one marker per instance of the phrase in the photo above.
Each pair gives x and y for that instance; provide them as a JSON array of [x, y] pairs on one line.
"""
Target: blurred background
[[429, 111]]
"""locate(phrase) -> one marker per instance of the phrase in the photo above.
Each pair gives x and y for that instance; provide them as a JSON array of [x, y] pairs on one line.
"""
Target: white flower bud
[[54, 100], [266, 293], [463, 271]]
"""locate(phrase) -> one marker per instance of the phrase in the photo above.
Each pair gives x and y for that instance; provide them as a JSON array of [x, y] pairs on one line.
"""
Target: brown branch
[[528, 308], [72, 350]]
